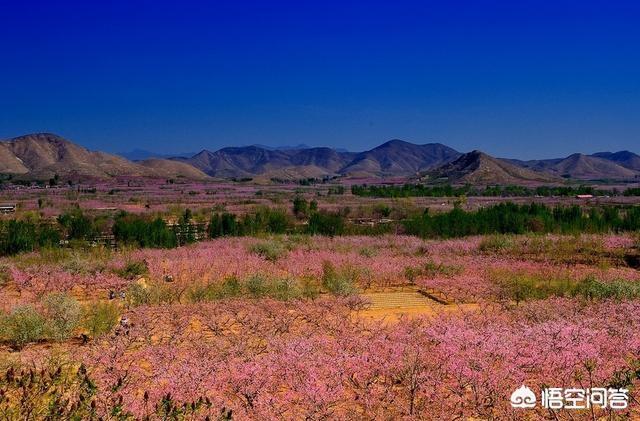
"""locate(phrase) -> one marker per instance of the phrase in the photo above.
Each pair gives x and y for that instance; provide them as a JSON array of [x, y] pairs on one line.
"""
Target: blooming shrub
[[313, 359], [215, 329]]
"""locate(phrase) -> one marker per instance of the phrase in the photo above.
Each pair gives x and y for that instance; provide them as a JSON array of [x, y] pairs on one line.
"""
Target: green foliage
[[520, 286], [202, 292], [139, 231], [431, 270], [367, 252], [338, 281], [496, 243], [223, 225], [408, 190], [23, 236], [230, 288], [269, 250], [100, 318], [325, 223], [77, 225], [154, 293], [18, 236], [309, 288], [133, 269], [48, 236], [300, 207], [63, 314], [523, 286], [565, 250], [257, 286], [510, 218], [592, 289], [22, 326], [185, 232], [337, 190], [284, 289], [633, 191], [264, 221], [421, 190]]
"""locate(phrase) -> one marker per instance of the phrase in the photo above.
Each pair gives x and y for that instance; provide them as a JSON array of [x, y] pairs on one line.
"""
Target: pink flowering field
[[285, 327]]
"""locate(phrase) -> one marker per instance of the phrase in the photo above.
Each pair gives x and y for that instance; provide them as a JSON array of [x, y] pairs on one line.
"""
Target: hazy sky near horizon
[[523, 79]]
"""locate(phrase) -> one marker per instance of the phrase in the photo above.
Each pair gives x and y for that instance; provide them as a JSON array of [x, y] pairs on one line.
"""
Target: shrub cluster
[[431, 270], [57, 318], [523, 287], [264, 221], [20, 236], [256, 286], [139, 231]]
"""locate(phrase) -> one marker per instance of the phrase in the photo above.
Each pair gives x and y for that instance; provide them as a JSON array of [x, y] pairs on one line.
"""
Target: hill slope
[[397, 157], [625, 158], [248, 161], [43, 155], [586, 167], [479, 168], [173, 169]]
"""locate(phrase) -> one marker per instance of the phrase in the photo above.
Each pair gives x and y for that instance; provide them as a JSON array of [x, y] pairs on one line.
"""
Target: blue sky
[[518, 79]]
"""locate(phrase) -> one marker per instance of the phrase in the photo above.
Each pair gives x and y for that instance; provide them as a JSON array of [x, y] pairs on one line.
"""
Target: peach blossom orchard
[[294, 350]]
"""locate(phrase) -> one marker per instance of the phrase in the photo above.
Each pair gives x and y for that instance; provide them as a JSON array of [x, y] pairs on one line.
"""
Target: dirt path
[[391, 305]]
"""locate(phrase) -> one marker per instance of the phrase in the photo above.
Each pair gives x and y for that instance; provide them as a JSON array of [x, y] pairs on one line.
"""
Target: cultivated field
[[298, 326]]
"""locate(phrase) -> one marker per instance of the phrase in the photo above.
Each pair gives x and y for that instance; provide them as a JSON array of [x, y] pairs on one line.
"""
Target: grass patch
[[81, 261], [566, 250], [100, 318], [498, 243], [525, 286], [63, 314], [132, 269], [269, 250], [431, 270], [255, 287], [367, 252], [339, 281], [154, 293], [23, 325]]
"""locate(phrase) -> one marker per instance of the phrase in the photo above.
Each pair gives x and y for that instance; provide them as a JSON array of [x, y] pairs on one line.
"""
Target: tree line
[[420, 190], [510, 218], [76, 227]]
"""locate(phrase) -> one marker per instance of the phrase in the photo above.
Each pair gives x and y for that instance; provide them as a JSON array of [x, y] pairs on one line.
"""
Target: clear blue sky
[[518, 79]]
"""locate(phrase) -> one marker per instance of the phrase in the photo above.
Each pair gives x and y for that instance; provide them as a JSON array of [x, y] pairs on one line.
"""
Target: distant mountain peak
[[399, 157], [478, 167]]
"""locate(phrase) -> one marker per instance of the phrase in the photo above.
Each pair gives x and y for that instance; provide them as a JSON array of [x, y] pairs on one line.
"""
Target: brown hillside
[[479, 168]]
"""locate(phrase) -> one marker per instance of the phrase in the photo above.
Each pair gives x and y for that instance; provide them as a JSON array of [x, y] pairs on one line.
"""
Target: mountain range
[[44, 155]]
